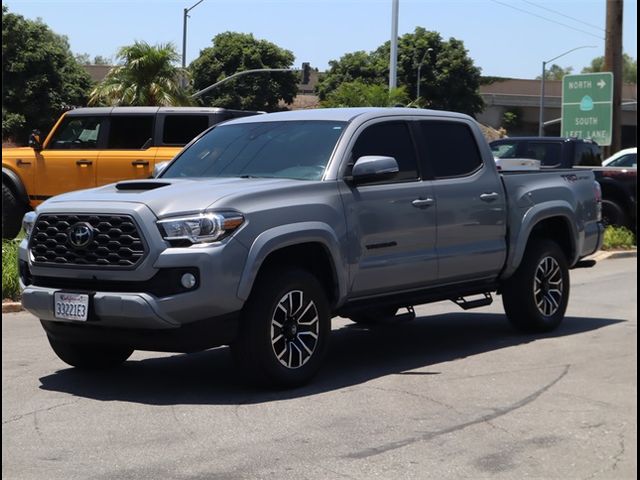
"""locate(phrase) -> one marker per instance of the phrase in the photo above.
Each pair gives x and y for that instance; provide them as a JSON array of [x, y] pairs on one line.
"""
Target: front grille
[[116, 241]]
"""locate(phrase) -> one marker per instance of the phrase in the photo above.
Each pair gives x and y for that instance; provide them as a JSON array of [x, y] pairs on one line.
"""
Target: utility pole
[[393, 59], [613, 63]]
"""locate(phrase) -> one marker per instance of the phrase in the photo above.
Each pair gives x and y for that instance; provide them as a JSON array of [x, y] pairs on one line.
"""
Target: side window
[[181, 129], [587, 154], [504, 149], [451, 148], [390, 139], [549, 154], [629, 160], [77, 133], [130, 132]]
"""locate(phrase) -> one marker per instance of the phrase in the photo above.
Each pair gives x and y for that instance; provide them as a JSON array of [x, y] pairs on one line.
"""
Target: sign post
[[587, 106]]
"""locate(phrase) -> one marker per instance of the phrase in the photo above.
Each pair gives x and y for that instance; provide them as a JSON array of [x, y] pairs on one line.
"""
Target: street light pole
[[544, 65], [393, 58], [420, 68], [185, 15]]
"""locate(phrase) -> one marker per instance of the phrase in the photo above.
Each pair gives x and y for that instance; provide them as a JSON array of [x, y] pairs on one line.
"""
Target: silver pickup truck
[[264, 228]]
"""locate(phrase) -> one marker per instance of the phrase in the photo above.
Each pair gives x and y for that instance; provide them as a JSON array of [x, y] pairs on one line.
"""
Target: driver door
[[69, 160]]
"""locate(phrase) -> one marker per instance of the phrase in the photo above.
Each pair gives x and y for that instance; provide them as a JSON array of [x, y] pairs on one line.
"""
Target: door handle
[[135, 163], [84, 161], [422, 202], [489, 197], [22, 162]]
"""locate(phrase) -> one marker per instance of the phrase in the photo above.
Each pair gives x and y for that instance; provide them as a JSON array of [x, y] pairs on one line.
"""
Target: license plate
[[70, 306]]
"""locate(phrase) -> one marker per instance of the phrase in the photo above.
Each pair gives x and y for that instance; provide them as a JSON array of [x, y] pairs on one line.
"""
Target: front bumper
[[119, 301]]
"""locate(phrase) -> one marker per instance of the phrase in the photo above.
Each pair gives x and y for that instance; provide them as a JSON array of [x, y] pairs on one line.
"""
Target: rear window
[[587, 154], [451, 149], [130, 132], [549, 154], [181, 129]]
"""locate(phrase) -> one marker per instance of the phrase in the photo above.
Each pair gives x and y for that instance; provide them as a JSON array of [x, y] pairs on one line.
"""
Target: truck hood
[[170, 197]]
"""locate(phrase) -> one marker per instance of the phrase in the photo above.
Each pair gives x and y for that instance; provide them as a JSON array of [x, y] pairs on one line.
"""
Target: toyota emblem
[[80, 235]]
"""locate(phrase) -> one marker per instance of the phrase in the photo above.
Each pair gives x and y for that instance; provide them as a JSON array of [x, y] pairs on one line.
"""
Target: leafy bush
[[10, 288], [618, 237]]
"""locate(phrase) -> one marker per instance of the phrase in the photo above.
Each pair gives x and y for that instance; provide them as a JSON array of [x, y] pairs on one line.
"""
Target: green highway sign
[[587, 106]]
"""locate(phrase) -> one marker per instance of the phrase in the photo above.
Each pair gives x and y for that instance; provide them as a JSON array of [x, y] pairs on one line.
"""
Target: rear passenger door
[[129, 152], [470, 202], [391, 224]]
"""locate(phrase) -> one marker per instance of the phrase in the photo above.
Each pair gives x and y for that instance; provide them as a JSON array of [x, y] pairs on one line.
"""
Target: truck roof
[[147, 110], [346, 114]]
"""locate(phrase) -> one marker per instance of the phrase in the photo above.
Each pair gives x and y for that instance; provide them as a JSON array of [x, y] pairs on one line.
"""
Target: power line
[[547, 19], [565, 15]]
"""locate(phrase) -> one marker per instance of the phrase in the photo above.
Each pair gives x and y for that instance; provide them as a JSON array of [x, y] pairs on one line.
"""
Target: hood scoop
[[141, 186]]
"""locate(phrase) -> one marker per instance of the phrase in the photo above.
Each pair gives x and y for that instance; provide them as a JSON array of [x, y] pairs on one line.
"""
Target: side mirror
[[34, 140], [158, 168], [374, 168]]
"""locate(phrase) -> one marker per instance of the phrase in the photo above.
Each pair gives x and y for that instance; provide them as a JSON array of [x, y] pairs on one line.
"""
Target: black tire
[[277, 329], [90, 356], [613, 214], [12, 212], [535, 298], [373, 317]]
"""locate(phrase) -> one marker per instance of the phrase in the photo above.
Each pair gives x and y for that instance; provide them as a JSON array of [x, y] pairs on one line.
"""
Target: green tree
[[555, 72], [448, 78], [629, 68], [146, 75], [234, 52], [40, 77], [85, 59], [361, 94]]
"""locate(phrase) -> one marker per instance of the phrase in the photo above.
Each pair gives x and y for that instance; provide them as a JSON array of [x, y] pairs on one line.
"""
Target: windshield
[[292, 149]]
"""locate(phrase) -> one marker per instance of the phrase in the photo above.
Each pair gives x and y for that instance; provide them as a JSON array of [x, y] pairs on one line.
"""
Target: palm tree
[[146, 75]]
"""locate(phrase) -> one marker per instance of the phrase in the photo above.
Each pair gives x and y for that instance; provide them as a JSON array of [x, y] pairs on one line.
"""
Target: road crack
[[427, 436]]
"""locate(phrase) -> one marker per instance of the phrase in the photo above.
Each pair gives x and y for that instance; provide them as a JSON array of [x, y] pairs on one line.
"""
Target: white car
[[624, 158]]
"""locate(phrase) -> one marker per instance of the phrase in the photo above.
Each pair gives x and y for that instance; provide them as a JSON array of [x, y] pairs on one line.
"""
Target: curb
[[614, 254], [11, 307]]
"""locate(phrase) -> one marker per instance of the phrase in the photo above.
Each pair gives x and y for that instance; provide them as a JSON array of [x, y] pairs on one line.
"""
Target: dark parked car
[[618, 185]]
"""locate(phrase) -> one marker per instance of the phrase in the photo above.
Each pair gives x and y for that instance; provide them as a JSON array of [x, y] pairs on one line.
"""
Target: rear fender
[[538, 213]]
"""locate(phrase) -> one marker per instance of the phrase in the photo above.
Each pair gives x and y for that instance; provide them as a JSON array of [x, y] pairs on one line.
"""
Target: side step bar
[[465, 304]]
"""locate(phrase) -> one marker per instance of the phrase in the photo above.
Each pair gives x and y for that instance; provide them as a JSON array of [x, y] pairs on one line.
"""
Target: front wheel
[[285, 329], [89, 356], [535, 298], [12, 211]]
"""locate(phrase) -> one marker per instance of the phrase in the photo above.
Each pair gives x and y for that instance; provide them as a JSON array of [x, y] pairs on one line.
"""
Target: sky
[[509, 38]]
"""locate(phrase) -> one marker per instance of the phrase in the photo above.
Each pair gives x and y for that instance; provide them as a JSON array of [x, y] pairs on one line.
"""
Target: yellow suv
[[89, 147]]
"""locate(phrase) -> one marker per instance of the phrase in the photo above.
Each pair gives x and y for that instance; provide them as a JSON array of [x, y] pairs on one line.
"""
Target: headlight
[[202, 228], [28, 221]]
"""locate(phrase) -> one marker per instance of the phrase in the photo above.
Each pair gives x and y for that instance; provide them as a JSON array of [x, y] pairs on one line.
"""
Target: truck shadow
[[357, 355]]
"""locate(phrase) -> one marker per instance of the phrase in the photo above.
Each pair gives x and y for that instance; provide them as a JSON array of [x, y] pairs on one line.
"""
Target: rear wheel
[[12, 212], [285, 329], [535, 298], [613, 214], [90, 356]]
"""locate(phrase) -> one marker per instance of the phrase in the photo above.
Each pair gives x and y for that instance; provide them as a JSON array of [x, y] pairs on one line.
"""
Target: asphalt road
[[453, 394]]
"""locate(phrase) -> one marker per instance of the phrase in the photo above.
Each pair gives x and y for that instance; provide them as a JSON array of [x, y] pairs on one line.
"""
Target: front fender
[[518, 239], [288, 235]]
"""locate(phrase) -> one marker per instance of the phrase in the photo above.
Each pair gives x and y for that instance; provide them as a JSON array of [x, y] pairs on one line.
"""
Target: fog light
[[188, 280]]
